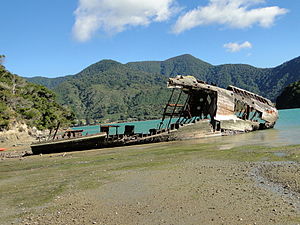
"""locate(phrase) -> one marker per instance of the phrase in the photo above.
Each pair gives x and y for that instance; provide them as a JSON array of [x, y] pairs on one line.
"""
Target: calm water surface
[[286, 132]]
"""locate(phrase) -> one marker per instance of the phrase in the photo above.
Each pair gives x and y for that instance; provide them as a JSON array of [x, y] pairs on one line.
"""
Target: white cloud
[[113, 16], [235, 47], [232, 13]]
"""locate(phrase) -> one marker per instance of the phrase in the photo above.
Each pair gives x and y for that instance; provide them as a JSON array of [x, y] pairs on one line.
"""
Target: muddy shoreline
[[281, 178], [163, 183]]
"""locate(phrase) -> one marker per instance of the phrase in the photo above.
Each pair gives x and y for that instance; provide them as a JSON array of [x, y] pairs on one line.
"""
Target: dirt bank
[[17, 140]]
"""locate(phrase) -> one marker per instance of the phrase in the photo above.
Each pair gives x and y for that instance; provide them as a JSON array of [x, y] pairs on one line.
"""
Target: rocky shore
[[282, 178]]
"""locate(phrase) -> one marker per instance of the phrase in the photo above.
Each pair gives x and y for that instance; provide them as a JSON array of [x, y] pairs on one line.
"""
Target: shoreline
[[177, 182]]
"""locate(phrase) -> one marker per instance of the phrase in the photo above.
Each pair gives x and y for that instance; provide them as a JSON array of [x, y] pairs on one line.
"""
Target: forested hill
[[114, 91], [32, 104], [268, 82], [183, 65], [111, 91], [48, 82], [290, 97], [282, 76]]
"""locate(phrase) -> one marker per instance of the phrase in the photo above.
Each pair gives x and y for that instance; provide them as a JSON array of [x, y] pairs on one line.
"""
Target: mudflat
[[180, 182]]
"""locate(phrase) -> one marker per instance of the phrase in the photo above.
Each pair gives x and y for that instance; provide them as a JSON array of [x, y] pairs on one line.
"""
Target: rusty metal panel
[[270, 116]]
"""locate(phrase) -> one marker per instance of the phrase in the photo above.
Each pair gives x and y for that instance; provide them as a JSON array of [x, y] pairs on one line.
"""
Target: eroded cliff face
[[290, 97], [19, 134]]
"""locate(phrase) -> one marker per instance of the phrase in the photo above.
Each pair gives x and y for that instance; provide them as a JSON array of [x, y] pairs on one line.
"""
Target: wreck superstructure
[[231, 109]]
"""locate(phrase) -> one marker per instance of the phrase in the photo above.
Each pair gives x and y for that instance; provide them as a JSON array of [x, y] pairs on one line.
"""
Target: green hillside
[[240, 75], [109, 90], [244, 76], [268, 82], [282, 76], [183, 65], [290, 97], [48, 82], [33, 104]]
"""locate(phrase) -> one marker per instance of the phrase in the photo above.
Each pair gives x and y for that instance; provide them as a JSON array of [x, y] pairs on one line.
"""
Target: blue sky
[[57, 38]]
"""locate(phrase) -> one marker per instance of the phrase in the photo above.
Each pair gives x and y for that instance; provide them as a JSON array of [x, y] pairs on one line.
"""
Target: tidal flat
[[183, 182]]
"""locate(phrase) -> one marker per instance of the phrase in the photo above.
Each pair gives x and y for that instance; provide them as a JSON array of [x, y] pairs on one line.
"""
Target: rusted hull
[[194, 130], [66, 145]]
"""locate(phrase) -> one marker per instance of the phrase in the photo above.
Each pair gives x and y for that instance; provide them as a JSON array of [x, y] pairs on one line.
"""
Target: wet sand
[[163, 183], [195, 192]]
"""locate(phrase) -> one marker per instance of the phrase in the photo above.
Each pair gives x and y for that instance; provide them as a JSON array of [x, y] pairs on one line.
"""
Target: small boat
[[205, 110]]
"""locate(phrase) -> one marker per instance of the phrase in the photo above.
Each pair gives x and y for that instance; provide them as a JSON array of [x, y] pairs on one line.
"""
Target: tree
[[2, 59]]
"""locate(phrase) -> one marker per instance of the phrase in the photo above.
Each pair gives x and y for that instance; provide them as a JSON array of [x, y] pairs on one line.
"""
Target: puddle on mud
[[290, 196], [280, 154], [225, 147]]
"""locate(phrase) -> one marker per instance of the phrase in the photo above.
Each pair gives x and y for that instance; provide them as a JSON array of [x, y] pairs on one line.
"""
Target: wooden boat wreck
[[200, 110], [232, 109]]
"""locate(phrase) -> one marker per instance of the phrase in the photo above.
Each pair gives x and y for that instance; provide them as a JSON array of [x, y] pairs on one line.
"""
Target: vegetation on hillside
[[30, 103], [48, 82], [180, 65], [290, 97], [268, 82], [110, 91]]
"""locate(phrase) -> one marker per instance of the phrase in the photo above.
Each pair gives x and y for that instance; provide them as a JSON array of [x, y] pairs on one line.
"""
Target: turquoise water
[[288, 119], [286, 131], [287, 128]]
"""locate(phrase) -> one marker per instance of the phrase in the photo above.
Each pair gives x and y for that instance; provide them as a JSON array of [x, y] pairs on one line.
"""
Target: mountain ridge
[[111, 90], [290, 97]]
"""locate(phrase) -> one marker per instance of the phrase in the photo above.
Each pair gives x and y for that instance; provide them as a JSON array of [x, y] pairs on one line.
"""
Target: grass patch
[[139, 165]]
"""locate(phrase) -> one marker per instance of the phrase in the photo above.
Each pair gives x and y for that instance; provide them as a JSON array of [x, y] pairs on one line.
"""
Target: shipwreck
[[230, 110], [195, 109]]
